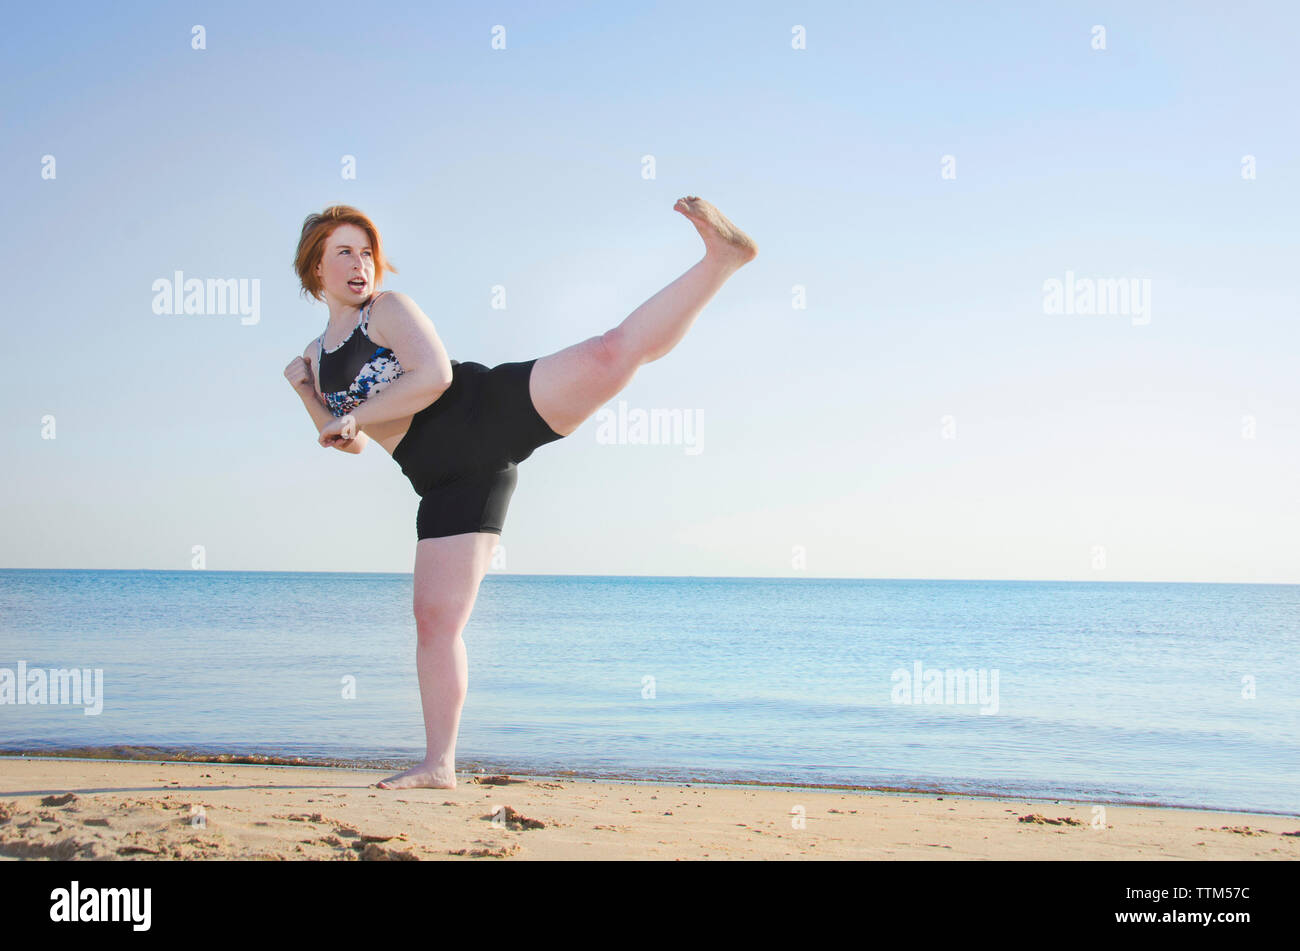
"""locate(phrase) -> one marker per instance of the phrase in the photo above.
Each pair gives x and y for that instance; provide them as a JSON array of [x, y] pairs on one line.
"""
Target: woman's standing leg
[[569, 385], [448, 572]]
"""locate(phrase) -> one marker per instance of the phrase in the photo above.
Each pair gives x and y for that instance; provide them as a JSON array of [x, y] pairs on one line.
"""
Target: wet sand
[[99, 809]]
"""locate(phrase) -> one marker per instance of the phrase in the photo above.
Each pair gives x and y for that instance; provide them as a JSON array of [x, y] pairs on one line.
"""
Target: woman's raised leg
[[569, 385], [448, 572]]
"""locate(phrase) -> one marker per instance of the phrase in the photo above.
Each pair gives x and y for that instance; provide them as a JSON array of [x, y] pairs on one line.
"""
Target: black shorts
[[461, 451]]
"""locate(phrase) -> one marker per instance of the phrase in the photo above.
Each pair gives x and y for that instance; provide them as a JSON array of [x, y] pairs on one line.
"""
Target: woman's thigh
[[569, 385], [448, 572]]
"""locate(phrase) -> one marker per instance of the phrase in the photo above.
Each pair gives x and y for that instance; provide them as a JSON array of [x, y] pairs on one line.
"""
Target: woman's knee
[[448, 572], [616, 354], [437, 620]]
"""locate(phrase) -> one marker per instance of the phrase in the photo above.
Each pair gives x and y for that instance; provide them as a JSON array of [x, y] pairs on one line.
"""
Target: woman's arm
[[397, 323], [301, 375], [322, 417]]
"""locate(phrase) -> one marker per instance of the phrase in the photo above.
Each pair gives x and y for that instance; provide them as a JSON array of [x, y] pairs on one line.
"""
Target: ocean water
[[1183, 694]]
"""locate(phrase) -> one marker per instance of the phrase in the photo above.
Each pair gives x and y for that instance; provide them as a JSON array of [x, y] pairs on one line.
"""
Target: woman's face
[[347, 268]]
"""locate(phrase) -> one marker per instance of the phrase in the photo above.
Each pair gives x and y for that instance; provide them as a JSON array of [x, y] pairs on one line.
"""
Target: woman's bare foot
[[721, 237], [421, 776]]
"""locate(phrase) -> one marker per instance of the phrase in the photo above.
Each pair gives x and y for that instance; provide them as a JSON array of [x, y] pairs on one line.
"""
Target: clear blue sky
[[822, 427]]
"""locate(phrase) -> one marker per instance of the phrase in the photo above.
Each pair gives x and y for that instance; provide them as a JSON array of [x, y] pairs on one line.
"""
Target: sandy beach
[[64, 809]]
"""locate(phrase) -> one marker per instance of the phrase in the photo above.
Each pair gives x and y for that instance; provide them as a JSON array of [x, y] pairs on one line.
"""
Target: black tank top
[[357, 368]]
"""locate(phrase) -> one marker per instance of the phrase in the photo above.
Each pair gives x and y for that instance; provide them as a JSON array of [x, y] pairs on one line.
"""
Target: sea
[[1139, 693]]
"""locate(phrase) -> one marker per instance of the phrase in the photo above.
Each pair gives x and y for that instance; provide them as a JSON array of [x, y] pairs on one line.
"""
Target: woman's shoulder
[[388, 301], [389, 307], [384, 311]]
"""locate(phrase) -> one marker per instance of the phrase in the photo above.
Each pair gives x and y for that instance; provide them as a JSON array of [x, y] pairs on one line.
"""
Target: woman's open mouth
[[359, 284]]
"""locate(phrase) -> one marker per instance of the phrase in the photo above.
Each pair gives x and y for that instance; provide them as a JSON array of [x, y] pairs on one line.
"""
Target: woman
[[458, 430]]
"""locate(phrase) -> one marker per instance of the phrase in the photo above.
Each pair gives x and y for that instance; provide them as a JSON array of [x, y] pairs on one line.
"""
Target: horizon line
[[519, 574]]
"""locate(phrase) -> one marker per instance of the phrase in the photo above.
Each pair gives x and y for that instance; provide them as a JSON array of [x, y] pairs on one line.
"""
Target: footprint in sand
[[490, 851], [512, 819]]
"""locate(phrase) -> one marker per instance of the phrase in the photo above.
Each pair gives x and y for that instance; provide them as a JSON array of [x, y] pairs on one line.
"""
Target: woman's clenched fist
[[298, 373]]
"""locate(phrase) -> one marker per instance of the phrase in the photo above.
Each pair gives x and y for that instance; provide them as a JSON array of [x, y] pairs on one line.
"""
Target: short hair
[[316, 230]]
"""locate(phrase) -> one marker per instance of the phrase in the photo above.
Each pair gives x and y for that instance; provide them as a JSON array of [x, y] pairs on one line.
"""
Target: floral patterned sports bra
[[355, 369]]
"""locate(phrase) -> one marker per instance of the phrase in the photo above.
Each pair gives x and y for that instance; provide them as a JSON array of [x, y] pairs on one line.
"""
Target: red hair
[[316, 230]]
